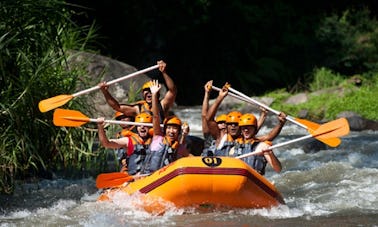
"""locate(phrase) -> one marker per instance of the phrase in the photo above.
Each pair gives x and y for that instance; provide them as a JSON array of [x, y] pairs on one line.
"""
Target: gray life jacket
[[157, 159], [136, 159], [257, 162], [225, 148]]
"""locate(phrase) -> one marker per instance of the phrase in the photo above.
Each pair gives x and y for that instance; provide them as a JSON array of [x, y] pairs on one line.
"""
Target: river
[[330, 187]]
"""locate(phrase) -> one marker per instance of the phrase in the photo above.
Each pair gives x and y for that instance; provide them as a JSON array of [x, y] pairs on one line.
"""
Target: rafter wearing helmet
[[145, 105], [131, 148], [165, 147]]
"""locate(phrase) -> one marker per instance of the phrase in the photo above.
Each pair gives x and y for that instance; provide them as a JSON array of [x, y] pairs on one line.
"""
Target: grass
[[36, 39], [340, 95]]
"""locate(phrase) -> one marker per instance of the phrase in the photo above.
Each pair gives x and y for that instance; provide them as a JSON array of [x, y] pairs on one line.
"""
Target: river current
[[329, 187]]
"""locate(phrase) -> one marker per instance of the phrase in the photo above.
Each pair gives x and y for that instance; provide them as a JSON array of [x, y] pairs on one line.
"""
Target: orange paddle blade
[[332, 142], [54, 102], [309, 124], [332, 129], [111, 180], [69, 118], [312, 127]]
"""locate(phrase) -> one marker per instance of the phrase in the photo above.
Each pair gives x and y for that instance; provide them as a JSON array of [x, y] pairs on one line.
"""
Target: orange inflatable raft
[[216, 181]]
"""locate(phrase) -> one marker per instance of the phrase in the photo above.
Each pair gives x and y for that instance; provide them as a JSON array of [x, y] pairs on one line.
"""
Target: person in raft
[[209, 140], [119, 116], [133, 146], [165, 146], [248, 142], [145, 105], [224, 134], [126, 129]]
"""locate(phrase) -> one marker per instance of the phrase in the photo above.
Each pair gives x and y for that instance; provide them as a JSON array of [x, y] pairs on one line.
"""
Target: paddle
[[308, 125], [111, 180], [57, 101], [74, 118], [332, 129]]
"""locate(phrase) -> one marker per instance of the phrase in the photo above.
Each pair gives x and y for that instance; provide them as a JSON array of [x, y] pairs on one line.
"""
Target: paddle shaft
[[336, 128], [275, 146], [244, 97], [232, 95], [116, 80], [123, 122]]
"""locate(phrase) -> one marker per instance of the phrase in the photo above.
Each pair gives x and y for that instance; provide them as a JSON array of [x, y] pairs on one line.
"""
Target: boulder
[[314, 146], [297, 99], [100, 68], [358, 123]]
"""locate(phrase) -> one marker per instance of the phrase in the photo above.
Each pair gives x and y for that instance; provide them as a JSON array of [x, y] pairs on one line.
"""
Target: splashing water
[[337, 186]]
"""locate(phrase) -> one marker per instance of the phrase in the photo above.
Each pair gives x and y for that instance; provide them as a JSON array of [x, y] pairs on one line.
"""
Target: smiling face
[[172, 132], [233, 129], [143, 131], [147, 95], [248, 131]]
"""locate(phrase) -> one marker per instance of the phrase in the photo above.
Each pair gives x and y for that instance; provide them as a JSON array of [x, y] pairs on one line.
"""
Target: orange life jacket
[[145, 107]]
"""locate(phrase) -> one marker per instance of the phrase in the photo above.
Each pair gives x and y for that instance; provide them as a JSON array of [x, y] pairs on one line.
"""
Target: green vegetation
[[332, 94], [350, 41], [36, 37], [256, 46]]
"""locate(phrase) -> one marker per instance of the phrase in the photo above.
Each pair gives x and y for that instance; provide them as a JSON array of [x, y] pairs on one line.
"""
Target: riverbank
[[352, 98], [329, 96]]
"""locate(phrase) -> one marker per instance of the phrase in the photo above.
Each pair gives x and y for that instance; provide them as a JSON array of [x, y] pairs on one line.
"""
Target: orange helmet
[[248, 119], [119, 115], [143, 118], [233, 117], [147, 85], [222, 117], [172, 120]]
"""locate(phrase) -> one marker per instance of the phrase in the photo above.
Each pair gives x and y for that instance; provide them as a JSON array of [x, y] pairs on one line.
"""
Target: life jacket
[[159, 158], [257, 162], [224, 147], [136, 159], [209, 145], [136, 151], [145, 107], [121, 153]]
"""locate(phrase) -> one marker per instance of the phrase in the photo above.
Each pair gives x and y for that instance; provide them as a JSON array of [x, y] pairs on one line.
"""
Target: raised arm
[[155, 88], [127, 110], [183, 150], [105, 142], [205, 106], [185, 129], [170, 96], [213, 126], [262, 118], [276, 130]]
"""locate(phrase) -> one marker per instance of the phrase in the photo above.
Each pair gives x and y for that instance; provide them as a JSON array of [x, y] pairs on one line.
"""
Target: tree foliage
[[35, 36], [255, 46]]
